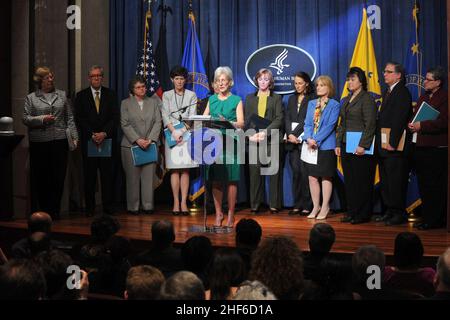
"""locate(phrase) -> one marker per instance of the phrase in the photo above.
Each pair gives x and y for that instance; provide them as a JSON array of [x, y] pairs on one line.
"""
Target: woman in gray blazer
[[141, 125], [358, 114]]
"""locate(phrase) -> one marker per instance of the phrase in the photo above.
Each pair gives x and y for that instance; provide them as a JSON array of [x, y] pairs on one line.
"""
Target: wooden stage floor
[[348, 237]]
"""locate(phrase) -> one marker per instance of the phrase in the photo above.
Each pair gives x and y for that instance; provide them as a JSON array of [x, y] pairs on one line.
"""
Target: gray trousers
[[139, 182]]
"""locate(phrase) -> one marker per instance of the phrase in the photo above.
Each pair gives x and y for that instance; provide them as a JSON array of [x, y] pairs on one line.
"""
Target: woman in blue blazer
[[320, 134]]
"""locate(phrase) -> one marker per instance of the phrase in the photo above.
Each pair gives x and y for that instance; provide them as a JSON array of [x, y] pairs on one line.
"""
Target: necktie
[[97, 101]]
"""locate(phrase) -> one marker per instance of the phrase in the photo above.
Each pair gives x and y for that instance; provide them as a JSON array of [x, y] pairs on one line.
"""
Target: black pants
[[90, 167], [431, 169], [300, 180], [393, 183], [48, 163], [359, 174]]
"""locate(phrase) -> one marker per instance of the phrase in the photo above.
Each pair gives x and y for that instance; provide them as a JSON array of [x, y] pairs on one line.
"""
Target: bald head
[[40, 221]]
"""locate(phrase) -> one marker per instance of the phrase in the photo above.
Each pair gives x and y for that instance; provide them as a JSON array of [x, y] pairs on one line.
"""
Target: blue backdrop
[[231, 30]]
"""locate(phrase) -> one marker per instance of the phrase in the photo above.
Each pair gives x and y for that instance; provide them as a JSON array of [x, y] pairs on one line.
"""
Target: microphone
[[183, 108]]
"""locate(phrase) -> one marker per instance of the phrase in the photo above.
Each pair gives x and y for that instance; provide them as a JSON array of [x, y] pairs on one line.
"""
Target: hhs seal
[[284, 60]]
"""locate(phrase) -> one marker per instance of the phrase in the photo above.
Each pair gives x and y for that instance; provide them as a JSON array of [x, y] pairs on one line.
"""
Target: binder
[[385, 135], [142, 157], [99, 151], [168, 135], [256, 122], [353, 138], [425, 112]]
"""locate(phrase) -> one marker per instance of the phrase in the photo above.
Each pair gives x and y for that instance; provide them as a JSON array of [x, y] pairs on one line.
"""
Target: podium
[[7, 145], [201, 123]]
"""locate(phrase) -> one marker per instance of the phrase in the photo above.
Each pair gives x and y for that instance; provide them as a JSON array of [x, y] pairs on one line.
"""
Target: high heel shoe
[[219, 220], [322, 216], [313, 213]]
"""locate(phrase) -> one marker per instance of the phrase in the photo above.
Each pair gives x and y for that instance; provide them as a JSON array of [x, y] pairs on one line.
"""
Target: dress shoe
[[305, 212], [383, 218], [427, 226], [185, 213], [323, 214], [294, 212], [359, 220], [274, 210], [347, 219], [134, 213], [151, 211], [313, 213], [176, 213], [395, 221]]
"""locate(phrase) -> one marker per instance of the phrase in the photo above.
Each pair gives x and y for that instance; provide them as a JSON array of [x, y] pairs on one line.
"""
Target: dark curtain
[[231, 30]]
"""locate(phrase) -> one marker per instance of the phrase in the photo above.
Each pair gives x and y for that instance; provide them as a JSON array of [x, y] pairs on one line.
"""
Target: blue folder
[[426, 112], [170, 141], [141, 157], [353, 142], [99, 151]]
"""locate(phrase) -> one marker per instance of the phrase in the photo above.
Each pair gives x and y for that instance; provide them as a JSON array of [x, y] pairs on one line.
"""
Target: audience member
[[183, 285], [253, 290], [321, 239], [197, 253], [248, 236], [143, 283], [442, 278]]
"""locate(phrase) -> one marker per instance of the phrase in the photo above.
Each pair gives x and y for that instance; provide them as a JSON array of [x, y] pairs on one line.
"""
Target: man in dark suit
[[97, 115], [394, 113]]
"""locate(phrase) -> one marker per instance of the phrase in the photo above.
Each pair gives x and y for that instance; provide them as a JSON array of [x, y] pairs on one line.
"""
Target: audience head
[[197, 253], [227, 271], [54, 265], [143, 283], [163, 233], [325, 87], [303, 83], [364, 257], [253, 290], [39, 242], [103, 228], [356, 78], [408, 251], [22, 280], [321, 238], [183, 285], [442, 278], [264, 79], [40, 221], [248, 233], [278, 264], [394, 72]]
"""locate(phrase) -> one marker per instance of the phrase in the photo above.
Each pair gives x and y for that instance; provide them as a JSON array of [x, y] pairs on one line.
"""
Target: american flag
[[146, 65]]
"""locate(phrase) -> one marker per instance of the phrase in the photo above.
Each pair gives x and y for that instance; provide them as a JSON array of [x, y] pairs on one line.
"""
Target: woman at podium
[[224, 105], [177, 104]]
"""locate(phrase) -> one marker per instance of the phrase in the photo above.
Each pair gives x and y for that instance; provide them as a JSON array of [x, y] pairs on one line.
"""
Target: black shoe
[[395, 221], [134, 213], [255, 211], [294, 212], [428, 226], [383, 218], [359, 220], [347, 219], [185, 213], [176, 213], [274, 211], [151, 211]]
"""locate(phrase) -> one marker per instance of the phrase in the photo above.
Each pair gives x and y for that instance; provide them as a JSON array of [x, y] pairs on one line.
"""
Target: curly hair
[[278, 264]]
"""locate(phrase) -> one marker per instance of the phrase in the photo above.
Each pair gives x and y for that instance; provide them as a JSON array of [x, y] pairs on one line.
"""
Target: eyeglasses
[[388, 71]]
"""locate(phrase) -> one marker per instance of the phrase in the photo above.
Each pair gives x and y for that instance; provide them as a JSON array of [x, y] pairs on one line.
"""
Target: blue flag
[[198, 82]]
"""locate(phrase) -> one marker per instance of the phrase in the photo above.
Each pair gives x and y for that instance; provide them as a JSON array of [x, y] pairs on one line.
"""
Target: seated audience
[[407, 275], [197, 253], [162, 254], [143, 283], [321, 239], [248, 236], [253, 290], [119, 250], [39, 242], [22, 280], [225, 275], [183, 285], [278, 264], [442, 278]]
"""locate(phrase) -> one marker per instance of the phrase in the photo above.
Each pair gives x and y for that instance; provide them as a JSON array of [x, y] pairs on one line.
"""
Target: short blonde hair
[[40, 74], [227, 72], [326, 80]]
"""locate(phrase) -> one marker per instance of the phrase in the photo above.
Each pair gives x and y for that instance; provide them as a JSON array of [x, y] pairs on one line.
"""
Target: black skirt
[[326, 164]]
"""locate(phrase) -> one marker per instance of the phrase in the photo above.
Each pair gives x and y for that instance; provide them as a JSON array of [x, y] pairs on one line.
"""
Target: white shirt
[[393, 86], [141, 104], [99, 92]]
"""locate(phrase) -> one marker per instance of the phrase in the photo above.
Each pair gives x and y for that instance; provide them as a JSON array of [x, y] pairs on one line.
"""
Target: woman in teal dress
[[225, 105]]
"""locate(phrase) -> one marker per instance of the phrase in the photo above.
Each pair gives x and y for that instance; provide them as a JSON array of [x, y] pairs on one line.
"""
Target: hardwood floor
[[348, 237]]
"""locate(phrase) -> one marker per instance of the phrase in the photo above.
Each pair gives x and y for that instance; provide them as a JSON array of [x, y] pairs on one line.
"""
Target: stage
[[75, 227]]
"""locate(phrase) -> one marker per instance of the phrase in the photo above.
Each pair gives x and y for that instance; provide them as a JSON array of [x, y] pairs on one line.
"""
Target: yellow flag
[[364, 58]]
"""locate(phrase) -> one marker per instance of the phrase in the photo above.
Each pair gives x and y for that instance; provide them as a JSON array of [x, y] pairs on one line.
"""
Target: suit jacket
[[89, 121], [326, 135], [137, 124], [394, 113], [274, 111], [293, 115], [359, 115]]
